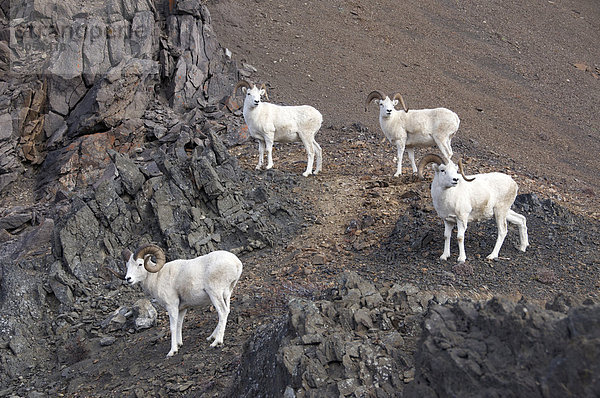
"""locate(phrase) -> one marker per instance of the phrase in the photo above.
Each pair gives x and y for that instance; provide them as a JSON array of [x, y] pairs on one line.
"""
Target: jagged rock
[[43, 10], [82, 260], [144, 314], [121, 94], [64, 93], [505, 348], [13, 221], [494, 348], [130, 173], [117, 320], [68, 62], [322, 352], [142, 35], [78, 165], [96, 59], [196, 55], [6, 126], [61, 285]]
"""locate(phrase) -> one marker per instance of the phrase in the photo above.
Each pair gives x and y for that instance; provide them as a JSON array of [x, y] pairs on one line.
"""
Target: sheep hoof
[[306, 173], [397, 174], [217, 343], [492, 257], [444, 257], [171, 353]]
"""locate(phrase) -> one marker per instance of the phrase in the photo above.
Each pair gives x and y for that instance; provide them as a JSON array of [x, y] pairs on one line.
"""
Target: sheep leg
[[449, 148], [173, 325], [310, 153], [319, 153], [180, 327], [222, 308], [269, 147], [445, 148], [515, 218], [502, 230], [461, 226], [261, 154], [448, 226], [400, 146], [411, 157]]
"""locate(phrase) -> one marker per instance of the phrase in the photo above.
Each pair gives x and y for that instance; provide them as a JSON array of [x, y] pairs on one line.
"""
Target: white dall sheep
[[180, 284], [410, 129], [269, 123], [458, 200]]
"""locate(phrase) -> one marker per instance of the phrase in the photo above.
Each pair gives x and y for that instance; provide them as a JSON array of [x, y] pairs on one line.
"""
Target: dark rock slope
[[121, 120], [361, 340]]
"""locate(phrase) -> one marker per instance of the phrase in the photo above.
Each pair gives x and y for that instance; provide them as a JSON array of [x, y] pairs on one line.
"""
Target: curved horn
[[126, 254], [398, 96], [264, 87], [241, 83], [376, 94], [145, 252], [429, 158], [115, 273], [462, 172]]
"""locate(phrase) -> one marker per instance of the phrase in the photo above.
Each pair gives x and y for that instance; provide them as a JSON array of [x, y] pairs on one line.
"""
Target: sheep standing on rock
[[269, 123], [410, 129], [458, 200], [181, 284]]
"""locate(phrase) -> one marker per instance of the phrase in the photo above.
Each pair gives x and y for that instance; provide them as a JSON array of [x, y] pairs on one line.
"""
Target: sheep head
[[253, 93], [386, 105], [447, 174], [142, 257]]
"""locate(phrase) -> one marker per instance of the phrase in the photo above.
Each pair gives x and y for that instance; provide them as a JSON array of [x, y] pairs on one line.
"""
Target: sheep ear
[[244, 90], [435, 167], [395, 102]]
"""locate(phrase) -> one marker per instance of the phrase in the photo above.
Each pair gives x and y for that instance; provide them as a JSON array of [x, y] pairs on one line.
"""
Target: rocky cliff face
[[107, 119], [115, 119], [365, 340]]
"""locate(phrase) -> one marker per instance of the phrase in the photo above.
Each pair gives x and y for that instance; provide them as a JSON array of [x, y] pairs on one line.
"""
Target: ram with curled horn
[[459, 199], [433, 158], [415, 128], [269, 123], [181, 284]]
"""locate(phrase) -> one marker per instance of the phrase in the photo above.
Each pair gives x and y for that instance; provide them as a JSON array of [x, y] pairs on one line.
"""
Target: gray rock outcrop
[[392, 341], [352, 343], [501, 348], [109, 102]]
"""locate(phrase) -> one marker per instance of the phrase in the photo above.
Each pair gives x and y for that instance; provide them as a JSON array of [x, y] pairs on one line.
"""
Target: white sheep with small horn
[[458, 200], [269, 123], [415, 128], [181, 284]]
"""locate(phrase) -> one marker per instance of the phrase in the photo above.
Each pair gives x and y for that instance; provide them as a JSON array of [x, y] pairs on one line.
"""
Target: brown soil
[[523, 78]]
